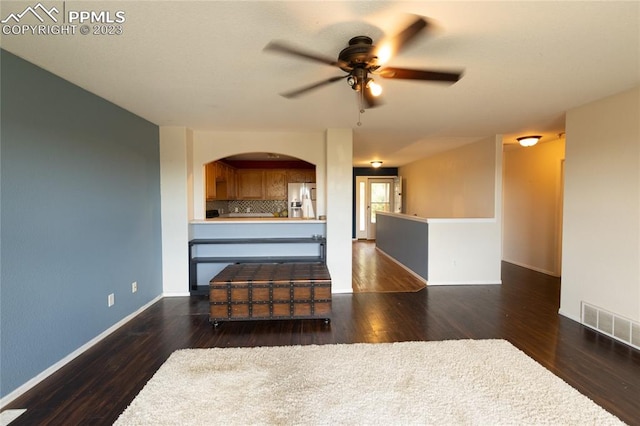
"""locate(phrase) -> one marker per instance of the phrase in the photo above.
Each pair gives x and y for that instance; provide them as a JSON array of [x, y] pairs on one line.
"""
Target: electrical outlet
[[134, 286], [111, 300]]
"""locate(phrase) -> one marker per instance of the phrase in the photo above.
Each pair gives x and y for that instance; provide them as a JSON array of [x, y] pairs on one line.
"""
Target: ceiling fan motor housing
[[358, 53], [357, 57]]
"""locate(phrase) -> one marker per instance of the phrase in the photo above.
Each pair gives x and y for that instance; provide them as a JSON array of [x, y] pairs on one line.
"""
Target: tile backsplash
[[255, 206]]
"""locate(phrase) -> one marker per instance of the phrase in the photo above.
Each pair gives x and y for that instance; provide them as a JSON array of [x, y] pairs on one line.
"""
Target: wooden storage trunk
[[260, 291]]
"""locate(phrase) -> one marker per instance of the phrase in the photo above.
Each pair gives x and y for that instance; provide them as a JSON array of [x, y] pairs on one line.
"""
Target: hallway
[[375, 272]]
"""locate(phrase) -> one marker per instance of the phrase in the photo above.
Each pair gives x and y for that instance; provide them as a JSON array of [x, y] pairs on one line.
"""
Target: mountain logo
[[38, 11]]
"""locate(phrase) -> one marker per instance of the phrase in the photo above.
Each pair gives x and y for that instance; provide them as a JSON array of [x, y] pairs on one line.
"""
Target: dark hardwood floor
[[371, 265], [97, 386]]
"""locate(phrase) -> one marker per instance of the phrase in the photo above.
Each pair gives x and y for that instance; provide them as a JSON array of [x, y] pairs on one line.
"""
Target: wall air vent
[[620, 328]]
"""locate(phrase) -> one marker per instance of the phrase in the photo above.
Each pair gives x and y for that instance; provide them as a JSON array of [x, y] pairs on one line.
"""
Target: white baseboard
[[533, 268], [58, 365], [176, 294], [7, 416], [571, 317]]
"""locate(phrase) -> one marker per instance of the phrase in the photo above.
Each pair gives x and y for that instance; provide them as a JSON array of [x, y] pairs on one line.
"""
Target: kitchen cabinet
[[275, 184], [260, 184], [301, 175], [220, 181], [221, 172], [250, 184], [231, 183], [210, 181]]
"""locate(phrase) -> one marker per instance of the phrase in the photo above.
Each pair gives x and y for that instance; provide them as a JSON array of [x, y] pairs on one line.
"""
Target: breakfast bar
[[216, 243]]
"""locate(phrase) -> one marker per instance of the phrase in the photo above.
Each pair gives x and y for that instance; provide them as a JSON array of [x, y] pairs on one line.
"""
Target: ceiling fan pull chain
[[360, 106]]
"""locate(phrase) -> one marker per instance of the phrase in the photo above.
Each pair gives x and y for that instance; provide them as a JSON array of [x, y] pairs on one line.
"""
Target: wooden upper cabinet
[[220, 180], [210, 180], [275, 184], [221, 171], [301, 175], [224, 182], [250, 184], [231, 183]]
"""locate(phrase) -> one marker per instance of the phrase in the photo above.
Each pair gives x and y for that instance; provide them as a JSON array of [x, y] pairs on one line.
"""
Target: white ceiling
[[202, 65]]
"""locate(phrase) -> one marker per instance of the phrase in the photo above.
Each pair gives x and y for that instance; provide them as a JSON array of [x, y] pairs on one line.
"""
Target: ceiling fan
[[362, 60]]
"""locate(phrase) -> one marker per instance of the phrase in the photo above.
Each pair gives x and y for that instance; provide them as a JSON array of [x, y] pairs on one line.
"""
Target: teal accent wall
[[406, 240], [79, 218]]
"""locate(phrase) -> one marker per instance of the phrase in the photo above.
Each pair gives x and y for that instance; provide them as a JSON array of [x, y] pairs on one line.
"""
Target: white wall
[[459, 183], [339, 206], [532, 206], [174, 205], [464, 252], [601, 242]]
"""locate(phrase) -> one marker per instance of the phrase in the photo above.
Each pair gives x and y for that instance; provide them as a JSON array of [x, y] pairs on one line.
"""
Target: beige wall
[[532, 206], [459, 183], [601, 241]]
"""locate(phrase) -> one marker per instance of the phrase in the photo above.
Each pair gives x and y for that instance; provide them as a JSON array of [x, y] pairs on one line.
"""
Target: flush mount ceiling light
[[529, 140], [376, 164]]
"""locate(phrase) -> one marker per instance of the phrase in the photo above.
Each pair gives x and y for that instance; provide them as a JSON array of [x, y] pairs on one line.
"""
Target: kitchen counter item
[[297, 194], [307, 209]]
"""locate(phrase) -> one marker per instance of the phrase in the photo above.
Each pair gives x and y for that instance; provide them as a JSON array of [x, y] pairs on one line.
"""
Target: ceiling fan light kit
[[528, 140], [374, 88], [361, 58]]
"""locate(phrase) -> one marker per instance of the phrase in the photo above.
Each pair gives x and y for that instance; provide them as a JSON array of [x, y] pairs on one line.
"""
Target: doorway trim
[[362, 204]]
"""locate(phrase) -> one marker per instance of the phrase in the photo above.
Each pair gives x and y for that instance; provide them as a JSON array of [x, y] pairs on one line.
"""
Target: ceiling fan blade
[[391, 45], [281, 47], [411, 74], [305, 89]]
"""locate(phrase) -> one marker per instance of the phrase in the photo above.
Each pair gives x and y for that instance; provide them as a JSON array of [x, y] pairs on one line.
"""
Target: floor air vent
[[620, 328]]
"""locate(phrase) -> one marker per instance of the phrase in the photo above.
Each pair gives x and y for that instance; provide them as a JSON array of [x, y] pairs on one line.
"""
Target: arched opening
[[257, 184]]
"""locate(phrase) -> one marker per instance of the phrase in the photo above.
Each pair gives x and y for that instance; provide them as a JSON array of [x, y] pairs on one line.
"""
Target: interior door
[[379, 198]]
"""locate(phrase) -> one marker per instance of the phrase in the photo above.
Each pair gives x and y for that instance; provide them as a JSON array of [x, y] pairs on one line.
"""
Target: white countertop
[[440, 220]]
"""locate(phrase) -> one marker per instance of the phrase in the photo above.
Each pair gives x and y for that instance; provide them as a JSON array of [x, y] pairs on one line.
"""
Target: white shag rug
[[476, 382]]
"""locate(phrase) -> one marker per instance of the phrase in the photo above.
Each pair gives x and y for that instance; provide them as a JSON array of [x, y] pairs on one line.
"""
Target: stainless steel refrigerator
[[302, 200]]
